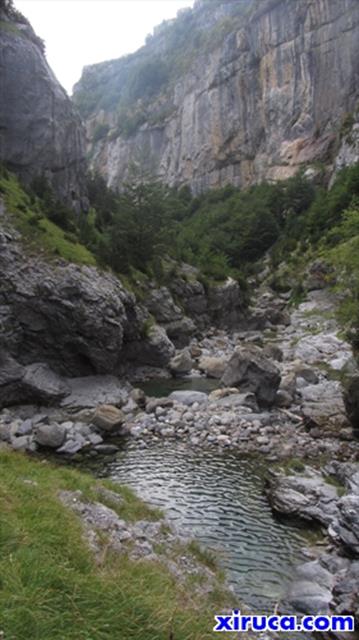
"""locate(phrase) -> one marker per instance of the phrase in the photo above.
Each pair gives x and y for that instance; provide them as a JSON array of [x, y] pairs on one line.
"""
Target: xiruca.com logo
[[235, 622]]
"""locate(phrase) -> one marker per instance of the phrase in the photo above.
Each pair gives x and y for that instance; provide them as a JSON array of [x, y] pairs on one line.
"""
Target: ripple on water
[[218, 499]]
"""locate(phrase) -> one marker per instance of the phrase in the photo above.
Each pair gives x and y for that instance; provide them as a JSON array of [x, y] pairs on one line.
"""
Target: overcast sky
[[81, 32]]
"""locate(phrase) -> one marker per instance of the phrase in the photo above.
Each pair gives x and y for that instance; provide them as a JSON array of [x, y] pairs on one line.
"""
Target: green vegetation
[[327, 230], [30, 216], [52, 587], [146, 229]]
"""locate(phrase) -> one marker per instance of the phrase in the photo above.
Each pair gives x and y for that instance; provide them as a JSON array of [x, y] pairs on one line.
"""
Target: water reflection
[[218, 499]]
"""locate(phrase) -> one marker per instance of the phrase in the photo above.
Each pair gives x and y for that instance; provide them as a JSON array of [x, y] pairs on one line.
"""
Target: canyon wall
[[41, 133], [253, 91]]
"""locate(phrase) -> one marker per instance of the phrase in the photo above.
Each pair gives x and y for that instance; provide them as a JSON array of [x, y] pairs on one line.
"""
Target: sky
[[82, 32]]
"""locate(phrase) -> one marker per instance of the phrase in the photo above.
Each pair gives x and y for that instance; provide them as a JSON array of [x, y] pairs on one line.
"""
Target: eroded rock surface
[[272, 92], [250, 370], [41, 133], [77, 319]]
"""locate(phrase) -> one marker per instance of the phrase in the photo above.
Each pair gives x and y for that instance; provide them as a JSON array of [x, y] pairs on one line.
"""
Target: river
[[217, 498]]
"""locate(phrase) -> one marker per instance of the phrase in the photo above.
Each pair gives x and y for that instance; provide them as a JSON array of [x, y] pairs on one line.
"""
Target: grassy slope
[[40, 233], [50, 585]]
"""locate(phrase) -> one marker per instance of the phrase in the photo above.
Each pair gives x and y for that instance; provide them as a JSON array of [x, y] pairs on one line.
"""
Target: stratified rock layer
[[273, 93], [76, 319], [41, 133]]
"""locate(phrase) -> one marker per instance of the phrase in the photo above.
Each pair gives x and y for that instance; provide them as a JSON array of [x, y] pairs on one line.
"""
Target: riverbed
[[217, 498]]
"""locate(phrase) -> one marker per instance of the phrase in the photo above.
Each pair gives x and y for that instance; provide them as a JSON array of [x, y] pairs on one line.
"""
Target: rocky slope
[[41, 133], [78, 320], [328, 581], [231, 92]]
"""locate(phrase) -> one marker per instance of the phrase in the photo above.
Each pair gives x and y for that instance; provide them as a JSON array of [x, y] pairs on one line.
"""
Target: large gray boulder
[[35, 383], [108, 418], [50, 435], [307, 497], [181, 363], [154, 350], [213, 367], [91, 391], [310, 591], [249, 370]]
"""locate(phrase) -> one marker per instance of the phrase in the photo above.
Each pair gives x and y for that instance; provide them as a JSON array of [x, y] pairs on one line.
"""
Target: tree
[[142, 224]]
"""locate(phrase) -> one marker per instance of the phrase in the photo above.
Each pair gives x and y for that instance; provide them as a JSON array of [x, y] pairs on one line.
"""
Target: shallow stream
[[217, 498]]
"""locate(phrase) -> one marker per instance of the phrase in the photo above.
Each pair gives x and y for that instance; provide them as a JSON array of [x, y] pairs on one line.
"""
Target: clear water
[[218, 499]]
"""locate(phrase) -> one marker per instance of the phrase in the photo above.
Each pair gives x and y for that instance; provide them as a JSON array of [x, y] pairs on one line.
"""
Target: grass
[[50, 585], [37, 231]]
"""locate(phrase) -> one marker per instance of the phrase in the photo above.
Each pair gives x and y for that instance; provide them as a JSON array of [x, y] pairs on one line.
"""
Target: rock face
[[250, 370], [78, 320], [219, 304], [40, 132], [265, 88], [328, 584], [348, 523], [351, 399], [34, 383], [309, 498]]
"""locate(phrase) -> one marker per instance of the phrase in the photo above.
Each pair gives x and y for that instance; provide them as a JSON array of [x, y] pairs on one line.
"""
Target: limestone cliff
[[40, 131], [76, 319], [232, 91]]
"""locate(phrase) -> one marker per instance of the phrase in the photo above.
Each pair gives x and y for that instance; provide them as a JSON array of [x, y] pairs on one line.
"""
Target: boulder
[[90, 391], [138, 396], [308, 597], [50, 435], [307, 497], [73, 445], [181, 363], [23, 443], [35, 383], [323, 404], [249, 370], [188, 397], [155, 350], [347, 528], [108, 418], [213, 367], [180, 331], [43, 384], [5, 432]]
